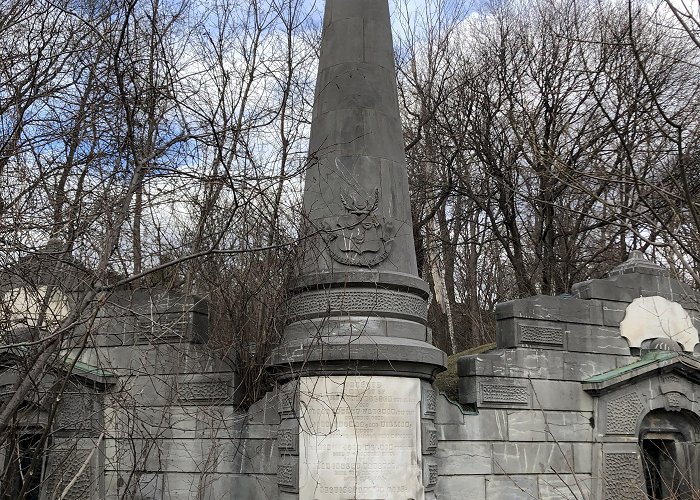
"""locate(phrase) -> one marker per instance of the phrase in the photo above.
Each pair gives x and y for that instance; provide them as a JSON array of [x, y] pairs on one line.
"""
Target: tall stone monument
[[355, 365]]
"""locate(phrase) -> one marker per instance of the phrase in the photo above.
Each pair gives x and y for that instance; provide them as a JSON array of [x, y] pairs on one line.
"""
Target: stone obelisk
[[355, 362]]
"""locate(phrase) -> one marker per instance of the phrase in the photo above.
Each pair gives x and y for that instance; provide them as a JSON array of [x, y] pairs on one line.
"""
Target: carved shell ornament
[[359, 237]]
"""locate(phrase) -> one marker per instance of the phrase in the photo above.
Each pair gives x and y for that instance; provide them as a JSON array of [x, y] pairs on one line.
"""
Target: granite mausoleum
[[581, 399], [593, 395]]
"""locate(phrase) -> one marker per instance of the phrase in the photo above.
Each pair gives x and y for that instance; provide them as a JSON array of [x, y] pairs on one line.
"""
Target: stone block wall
[[557, 410], [529, 431], [170, 424]]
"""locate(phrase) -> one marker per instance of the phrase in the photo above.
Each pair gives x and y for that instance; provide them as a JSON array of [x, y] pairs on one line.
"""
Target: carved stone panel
[[288, 437], [202, 391], [77, 412], [360, 438], [622, 414], [429, 437], [430, 474], [62, 469], [622, 477], [288, 475], [534, 334], [673, 400], [504, 393], [287, 401], [361, 236], [429, 402]]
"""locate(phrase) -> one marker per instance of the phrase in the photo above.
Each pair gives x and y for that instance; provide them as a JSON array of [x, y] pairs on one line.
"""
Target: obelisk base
[[357, 437]]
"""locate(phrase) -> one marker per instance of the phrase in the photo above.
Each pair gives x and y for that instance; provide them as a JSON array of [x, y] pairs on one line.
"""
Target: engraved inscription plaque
[[360, 438]]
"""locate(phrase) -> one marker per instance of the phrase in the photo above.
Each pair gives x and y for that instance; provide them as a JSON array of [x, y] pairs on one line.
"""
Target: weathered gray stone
[[583, 457], [355, 355], [495, 392], [152, 316], [481, 364], [637, 263], [247, 486], [606, 290], [457, 458], [191, 455], [487, 425], [454, 487], [155, 359], [559, 395], [544, 307], [521, 362], [265, 410], [569, 426], [595, 339], [448, 412], [580, 366], [538, 425], [353, 82], [532, 458], [564, 486], [534, 363], [511, 487], [139, 485], [353, 326], [613, 312], [526, 425]]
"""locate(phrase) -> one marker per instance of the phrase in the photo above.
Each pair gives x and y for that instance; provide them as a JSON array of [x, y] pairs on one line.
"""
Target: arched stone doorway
[[668, 443]]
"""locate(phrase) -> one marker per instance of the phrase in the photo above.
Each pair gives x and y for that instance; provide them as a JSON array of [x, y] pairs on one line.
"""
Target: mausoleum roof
[[650, 363]]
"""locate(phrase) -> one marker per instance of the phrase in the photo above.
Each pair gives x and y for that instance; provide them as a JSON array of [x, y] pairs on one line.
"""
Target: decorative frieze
[[502, 393], [202, 391], [535, 334], [356, 301]]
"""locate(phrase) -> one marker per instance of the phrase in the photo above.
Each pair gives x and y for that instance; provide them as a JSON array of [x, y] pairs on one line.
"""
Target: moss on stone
[[447, 381]]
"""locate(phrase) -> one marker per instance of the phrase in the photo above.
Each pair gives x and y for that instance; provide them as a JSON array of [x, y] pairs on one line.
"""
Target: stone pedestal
[[360, 438], [357, 437]]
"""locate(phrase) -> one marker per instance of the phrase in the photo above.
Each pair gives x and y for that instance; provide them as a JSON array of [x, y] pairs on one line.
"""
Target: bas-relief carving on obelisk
[[355, 365]]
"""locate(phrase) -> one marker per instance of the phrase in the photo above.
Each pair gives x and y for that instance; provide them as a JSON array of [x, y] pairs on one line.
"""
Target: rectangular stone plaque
[[359, 438]]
